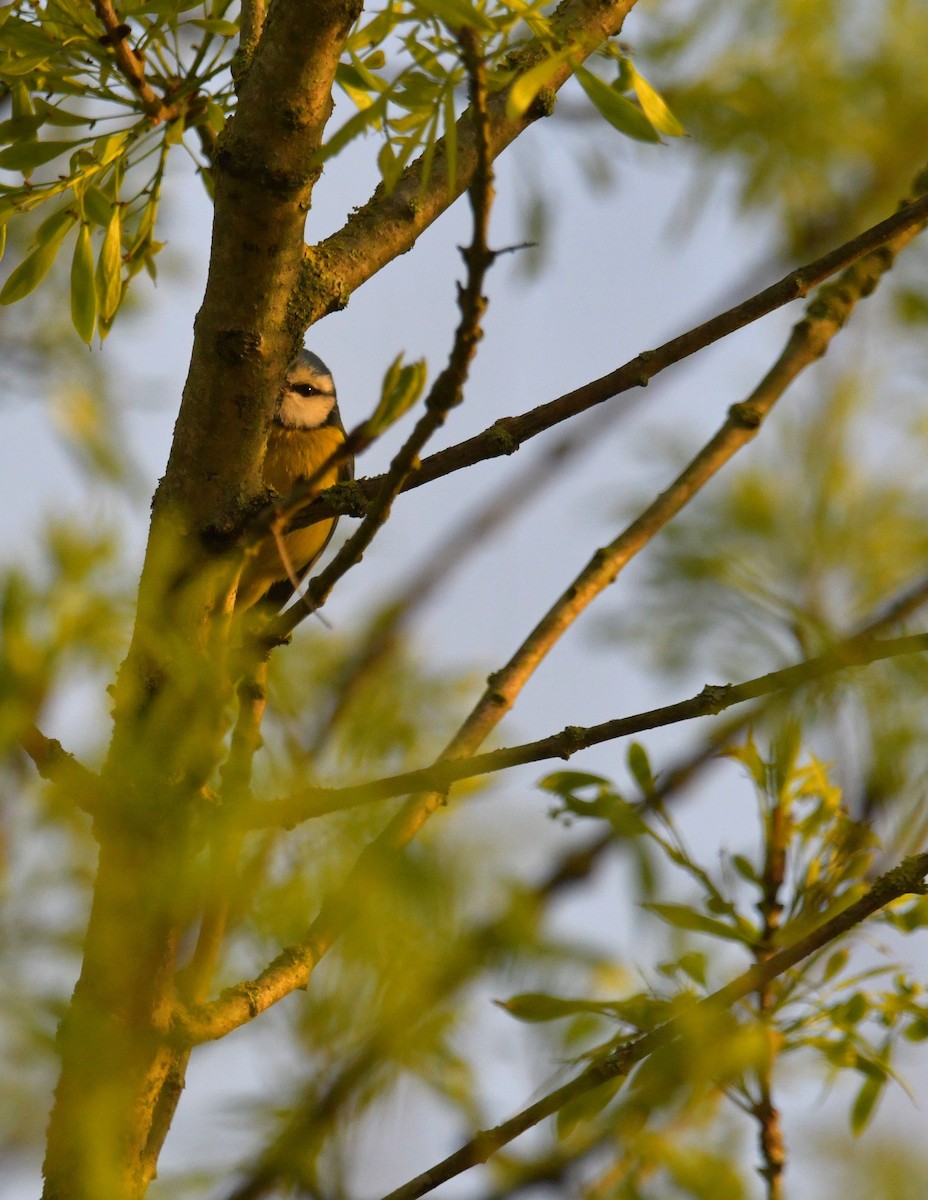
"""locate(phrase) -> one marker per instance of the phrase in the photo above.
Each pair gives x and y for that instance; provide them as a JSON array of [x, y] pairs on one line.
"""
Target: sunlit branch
[[506, 435], [477, 949], [131, 64], [470, 535], [390, 223], [61, 768], [712, 700], [906, 879], [291, 969]]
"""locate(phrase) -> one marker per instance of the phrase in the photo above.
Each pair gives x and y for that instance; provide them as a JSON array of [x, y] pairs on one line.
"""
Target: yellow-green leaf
[[654, 106], [26, 156], [217, 26], [109, 269], [457, 13], [83, 292], [621, 114], [402, 387], [32, 270], [527, 86]]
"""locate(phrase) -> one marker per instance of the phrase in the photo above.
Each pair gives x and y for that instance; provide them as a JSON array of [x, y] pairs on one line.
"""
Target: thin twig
[[713, 699], [905, 879], [131, 65], [506, 435], [777, 833], [447, 390]]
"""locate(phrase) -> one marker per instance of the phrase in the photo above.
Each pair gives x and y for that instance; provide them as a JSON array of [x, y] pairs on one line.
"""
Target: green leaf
[[402, 386], [745, 868], [18, 128], [26, 156], [654, 106], [865, 1103], [217, 26], [621, 114], [108, 146], [640, 767], [32, 270], [27, 63], [51, 114], [457, 13], [524, 90], [680, 916], [835, 964], [538, 1006], [109, 269], [97, 206], [83, 292], [567, 783]]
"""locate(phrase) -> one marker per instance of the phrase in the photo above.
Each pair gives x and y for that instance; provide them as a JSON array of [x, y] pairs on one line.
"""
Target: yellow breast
[[292, 455]]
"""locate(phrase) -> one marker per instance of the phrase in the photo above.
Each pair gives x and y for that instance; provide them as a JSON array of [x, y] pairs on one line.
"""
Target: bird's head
[[308, 399]]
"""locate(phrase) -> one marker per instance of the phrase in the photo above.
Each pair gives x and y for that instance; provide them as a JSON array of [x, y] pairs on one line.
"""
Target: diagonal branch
[[131, 64], [906, 879], [809, 340], [61, 768], [389, 225], [508, 434], [712, 700]]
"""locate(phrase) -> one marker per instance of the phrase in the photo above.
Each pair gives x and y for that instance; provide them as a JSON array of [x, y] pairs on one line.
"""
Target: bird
[[307, 430]]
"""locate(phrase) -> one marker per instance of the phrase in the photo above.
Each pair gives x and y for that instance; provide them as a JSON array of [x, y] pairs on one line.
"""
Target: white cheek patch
[[305, 412]]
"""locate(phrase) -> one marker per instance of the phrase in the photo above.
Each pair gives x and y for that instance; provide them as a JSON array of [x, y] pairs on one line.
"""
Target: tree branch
[[508, 434], [906, 879], [131, 65], [447, 390], [712, 700], [55, 764], [809, 340], [389, 225]]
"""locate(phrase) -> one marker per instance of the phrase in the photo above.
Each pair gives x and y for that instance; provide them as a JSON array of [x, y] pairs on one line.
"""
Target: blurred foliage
[[817, 108], [117, 122], [846, 1005], [789, 554]]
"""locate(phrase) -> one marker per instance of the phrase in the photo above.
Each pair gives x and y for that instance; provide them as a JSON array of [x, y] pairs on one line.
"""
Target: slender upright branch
[[447, 390], [777, 831]]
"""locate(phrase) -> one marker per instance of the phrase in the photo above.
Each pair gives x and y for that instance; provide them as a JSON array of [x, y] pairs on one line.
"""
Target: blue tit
[[307, 430]]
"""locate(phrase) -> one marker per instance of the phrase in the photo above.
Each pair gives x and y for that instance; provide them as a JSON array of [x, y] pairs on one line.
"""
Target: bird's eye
[[304, 389]]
